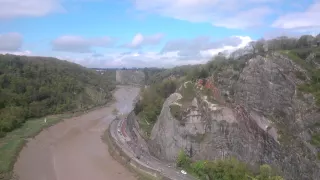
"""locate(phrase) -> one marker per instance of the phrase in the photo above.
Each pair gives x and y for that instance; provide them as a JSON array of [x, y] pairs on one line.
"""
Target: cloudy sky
[[146, 33]]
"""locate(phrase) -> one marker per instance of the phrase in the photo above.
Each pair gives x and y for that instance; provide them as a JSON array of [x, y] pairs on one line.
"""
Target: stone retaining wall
[[121, 156]]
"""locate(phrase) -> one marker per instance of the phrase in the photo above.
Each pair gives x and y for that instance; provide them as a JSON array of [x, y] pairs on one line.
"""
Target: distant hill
[[37, 86], [148, 74]]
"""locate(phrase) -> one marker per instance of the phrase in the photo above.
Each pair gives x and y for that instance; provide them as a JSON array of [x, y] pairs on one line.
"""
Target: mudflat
[[73, 149]]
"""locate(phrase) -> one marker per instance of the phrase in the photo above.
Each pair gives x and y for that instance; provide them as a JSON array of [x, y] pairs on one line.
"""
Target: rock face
[[267, 121], [130, 77]]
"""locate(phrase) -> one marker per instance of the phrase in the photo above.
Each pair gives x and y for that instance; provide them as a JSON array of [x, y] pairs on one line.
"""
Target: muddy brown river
[[73, 149]]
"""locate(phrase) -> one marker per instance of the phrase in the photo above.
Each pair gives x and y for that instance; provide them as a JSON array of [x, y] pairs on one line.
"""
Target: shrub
[[149, 107], [266, 173], [300, 75], [316, 140], [314, 85], [199, 169], [227, 169], [166, 88], [138, 107], [188, 92], [183, 161], [176, 111]]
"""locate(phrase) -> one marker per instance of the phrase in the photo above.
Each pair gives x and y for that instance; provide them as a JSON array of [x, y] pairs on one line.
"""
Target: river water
[[73, 149]]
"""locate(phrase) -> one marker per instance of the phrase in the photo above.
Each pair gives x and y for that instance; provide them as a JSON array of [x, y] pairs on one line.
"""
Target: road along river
[[73, 149]]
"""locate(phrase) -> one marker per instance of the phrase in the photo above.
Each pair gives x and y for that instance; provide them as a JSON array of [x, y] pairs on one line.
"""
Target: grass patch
[[317, 124], [313, 86], [315, 140], [300, 75], [284, 135], [187, 92], [12, 143], [176, 111], [8, 152], [293, 56], [146, 127]]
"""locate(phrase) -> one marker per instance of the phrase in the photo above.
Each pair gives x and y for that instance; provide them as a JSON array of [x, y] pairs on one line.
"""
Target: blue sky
[[147, 33]]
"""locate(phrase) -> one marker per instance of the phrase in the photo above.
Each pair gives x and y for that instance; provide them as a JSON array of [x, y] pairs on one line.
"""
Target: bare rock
[[266, 121]]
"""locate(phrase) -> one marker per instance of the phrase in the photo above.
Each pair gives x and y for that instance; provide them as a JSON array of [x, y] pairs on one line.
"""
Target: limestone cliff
[[259, 118], [130, 77]]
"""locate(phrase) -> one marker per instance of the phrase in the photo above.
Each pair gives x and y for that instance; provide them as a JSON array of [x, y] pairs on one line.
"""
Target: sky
[[147, 33]]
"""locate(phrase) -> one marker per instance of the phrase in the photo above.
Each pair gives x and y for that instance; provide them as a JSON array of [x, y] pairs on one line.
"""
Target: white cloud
[[140, 40], [173, 57], [174, 53], [168, 58], [128, 60], [80, 44], [227, 48], [224, 13], [137, 40], [307, 20], [33, 8], [20, 53], [194, 48], [10, 41]]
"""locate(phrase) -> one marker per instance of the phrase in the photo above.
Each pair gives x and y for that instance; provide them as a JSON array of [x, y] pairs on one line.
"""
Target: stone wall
[[130, 162]]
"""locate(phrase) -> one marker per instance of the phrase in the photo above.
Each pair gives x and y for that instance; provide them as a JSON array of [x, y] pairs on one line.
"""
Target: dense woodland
[[179, 71], [150, 72], [33, 87]]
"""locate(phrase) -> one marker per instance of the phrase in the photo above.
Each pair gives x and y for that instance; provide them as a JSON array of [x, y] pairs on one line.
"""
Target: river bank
[[14, 141], [73, 149]]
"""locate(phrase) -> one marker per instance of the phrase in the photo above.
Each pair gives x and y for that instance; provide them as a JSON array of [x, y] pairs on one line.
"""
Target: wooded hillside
[[37, 86]]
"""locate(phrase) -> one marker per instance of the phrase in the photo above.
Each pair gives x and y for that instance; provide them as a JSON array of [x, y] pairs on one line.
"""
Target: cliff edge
[[255, 113]]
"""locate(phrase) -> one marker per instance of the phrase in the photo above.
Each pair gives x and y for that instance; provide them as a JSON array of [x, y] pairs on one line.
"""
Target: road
[[125, 139], [73, 149]]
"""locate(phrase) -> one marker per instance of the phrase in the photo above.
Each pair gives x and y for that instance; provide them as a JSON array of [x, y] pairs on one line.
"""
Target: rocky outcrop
[[130, 77], [266, 121]]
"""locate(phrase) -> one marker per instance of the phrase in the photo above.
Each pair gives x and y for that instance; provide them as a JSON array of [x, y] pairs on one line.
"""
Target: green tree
[[37, 86], [305, 41], [266, 173], [183, 160]]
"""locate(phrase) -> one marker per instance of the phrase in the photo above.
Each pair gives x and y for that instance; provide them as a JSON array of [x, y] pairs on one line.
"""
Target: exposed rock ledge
[[265, 89]]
